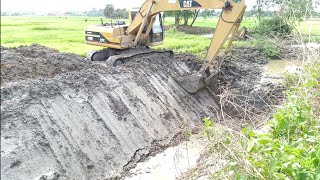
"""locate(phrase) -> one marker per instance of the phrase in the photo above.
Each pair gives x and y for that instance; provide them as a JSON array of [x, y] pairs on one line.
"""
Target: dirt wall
[[65, 118]]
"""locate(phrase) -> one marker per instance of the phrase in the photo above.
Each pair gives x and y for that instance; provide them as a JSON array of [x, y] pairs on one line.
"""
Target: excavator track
[[125, 57], [101, 55], [114, 57]]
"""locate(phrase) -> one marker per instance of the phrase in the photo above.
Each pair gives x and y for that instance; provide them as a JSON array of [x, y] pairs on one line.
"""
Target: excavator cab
[[157, 31], [156, 34]]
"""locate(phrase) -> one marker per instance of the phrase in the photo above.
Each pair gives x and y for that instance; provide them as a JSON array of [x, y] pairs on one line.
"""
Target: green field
[[67, 33], [64, 34]]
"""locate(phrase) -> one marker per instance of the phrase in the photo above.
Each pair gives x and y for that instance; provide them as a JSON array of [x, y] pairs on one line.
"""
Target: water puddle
[[209, 36], [279, 67], [171, 163]]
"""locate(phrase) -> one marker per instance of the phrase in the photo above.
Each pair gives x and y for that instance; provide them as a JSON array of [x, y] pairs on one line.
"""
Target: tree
[[194, 16], [186, 15], [295, 10], [190, 14], [259, 9], [177, 18], [289, 10], [94, 12], [207, 13], [120, 14], [175, 14], [109, 11]]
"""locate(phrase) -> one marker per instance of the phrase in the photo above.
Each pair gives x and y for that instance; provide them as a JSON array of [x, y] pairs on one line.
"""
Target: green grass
[[310, 27], [291, 148], [196, 44], [181, 42], [67, 33], [64, 34]]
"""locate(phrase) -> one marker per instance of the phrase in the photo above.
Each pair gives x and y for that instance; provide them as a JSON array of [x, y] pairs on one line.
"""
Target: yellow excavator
[[146, 29]]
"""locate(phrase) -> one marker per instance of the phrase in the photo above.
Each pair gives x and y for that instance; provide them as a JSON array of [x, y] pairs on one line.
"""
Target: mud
[[244, 95], [63, 117]]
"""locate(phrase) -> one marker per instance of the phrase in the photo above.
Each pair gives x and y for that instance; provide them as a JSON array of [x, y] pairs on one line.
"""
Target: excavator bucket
[[197, 81]]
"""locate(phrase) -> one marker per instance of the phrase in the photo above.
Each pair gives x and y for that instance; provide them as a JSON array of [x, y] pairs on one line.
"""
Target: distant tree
[[109, 11], [94, 12], [258, 7], [289, 10], [16, 14], [186, 15], [177, 18], [120, 14], [3, 13], [73, 13], [175, 14], [288, 14], [207, 13], [194, 16], [250, 13]]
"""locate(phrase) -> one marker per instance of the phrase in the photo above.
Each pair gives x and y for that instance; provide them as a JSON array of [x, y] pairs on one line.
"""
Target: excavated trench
[[63, 117]]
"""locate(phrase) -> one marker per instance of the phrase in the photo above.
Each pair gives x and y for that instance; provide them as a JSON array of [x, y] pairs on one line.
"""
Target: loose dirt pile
[[64, 117]]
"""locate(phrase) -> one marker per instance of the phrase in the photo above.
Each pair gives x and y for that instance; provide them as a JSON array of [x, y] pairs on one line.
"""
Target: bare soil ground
[[63, 117], [192, 29], [244, 95]]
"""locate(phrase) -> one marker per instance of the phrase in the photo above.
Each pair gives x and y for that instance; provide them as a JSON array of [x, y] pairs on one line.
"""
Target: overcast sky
[[73, 5]]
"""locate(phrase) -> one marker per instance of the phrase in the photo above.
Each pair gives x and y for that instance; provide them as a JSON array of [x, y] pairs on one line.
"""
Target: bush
[[291, 149], [268, 48], [274, 26]]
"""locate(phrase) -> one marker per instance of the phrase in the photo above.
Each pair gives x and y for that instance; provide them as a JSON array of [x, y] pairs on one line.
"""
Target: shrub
[[268, 48], [274, 26]]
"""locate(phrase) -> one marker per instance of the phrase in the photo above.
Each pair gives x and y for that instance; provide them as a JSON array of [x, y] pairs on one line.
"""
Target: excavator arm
[[227, 27], [143, 31], [228, 24]]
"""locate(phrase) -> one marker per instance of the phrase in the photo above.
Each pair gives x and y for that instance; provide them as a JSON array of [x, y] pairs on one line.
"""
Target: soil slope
[[65, 118]]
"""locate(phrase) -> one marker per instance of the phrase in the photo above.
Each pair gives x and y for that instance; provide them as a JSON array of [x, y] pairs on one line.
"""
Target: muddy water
[[171, 163], [279, 67]]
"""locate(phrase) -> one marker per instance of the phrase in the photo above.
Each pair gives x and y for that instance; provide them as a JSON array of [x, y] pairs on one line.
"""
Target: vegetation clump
[[268, 47], [288, 147], [274, 26]]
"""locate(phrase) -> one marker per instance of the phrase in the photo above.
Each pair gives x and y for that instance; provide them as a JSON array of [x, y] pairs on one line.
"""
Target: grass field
[[67, 33], [60, 33]]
